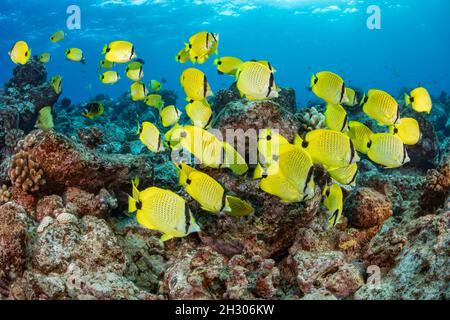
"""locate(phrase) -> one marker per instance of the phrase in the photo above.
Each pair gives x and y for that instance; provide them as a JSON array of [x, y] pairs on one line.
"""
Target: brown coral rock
[[437, 187], [70, 165], [257, 116], [13, 240], [47, 206], [367, 208], [88, 204]]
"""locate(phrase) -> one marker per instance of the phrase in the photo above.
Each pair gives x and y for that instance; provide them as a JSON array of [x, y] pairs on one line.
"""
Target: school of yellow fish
[[285, 169]]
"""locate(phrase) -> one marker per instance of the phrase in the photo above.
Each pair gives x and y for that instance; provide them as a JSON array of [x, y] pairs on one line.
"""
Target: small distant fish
[[388, 150], [138, 91], [202, 45], [20, 53], [135, 71], [183, 56], [195, 85], [155, 86], [255, 81], [150, 136], [420, 100], [408, 131], [200, 113], [329, 87], [57, 36], [345, 175], [155, 101], [360, 136], [228, 65], [329, 148], [57, 84], [382, 107], [163, 80], [105, 64], [109, 77], [351, 98], [169, 116], [334, 199], [164, 211], [45, 119], [336, 118], [45, 57], [76, 55], [119, 52], [93, 110]]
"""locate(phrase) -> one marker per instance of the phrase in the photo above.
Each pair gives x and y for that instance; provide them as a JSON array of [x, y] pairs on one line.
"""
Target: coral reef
[[70, 237]]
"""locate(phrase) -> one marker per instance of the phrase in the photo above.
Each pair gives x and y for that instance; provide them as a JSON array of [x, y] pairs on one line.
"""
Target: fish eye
[[328, 193], [395, 131], [108, 49], [188, 181], [269, 137]]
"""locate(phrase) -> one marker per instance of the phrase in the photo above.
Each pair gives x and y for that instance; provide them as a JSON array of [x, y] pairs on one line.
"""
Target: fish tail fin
[[237, 207], [259, 172], [407, 99], [313, 81], [363, 100], [132, 204], [216, 61], [298, 141]]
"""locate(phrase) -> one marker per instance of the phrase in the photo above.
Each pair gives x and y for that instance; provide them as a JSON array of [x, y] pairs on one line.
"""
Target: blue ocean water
[[298, 37]]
